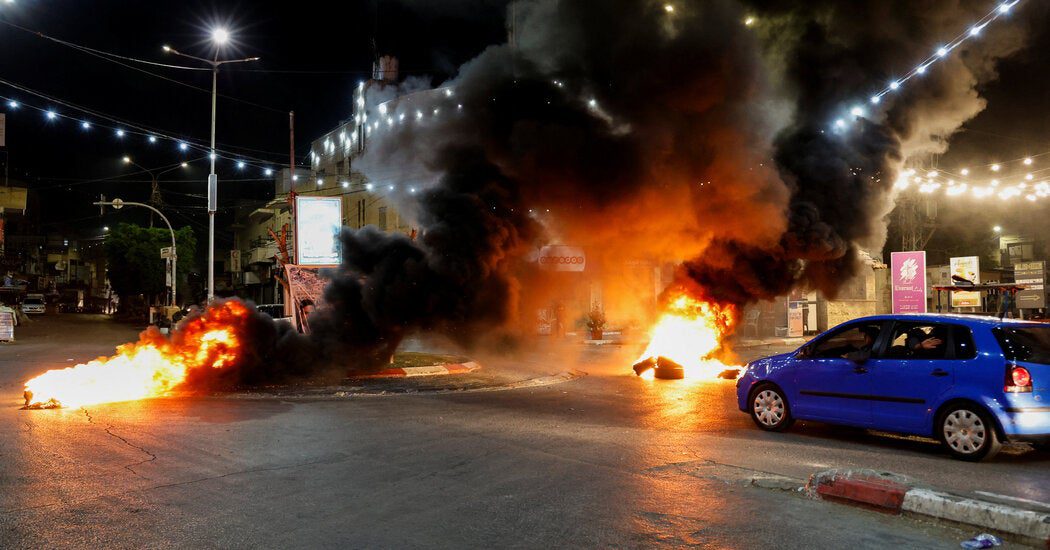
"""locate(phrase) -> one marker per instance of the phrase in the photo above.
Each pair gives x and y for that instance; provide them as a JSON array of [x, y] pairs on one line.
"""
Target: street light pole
[[219, 36], [117, 204]]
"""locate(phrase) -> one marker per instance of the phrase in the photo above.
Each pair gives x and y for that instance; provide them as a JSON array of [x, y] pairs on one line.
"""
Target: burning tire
[[769, 409]]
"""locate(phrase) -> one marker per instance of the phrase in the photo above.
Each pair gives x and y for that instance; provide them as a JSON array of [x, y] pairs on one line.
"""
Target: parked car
[[971, 382], [33, 304]]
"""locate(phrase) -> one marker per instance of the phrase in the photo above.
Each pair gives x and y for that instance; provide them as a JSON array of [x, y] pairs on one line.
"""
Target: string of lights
[[122, 124], [941, 52], [124, 130]]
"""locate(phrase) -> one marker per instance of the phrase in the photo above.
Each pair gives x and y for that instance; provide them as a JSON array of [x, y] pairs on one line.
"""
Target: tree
[[134, 263]]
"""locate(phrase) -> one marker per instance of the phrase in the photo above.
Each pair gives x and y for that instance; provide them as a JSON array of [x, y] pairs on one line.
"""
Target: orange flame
[[690, 332], [151, 367]]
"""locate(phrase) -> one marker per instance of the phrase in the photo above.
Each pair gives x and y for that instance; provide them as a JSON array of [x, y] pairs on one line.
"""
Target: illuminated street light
[[996, 167], [997, 229], [220, 36]]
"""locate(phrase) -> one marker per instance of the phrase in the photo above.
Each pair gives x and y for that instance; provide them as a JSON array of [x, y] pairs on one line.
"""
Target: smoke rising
[[647, 133]]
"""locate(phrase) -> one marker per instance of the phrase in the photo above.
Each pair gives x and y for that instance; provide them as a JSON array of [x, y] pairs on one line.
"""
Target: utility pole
[[291, 173]]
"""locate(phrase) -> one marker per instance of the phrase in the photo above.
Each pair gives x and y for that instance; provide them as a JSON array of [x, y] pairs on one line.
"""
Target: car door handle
[[940, 372], [860, 370]]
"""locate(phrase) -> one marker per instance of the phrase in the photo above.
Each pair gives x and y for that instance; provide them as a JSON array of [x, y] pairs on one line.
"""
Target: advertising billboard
[[969, 268], [318, 221], [1032, 275], [908, 278]]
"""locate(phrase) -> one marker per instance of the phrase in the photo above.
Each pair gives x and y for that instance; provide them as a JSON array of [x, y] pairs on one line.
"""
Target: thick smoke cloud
[[647, 133]]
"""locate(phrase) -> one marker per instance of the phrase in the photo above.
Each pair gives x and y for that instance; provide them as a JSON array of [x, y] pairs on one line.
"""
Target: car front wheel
[[769, 409], [968, 433]]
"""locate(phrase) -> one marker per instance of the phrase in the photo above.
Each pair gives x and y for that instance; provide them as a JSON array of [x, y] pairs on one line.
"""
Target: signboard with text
[[969, 268], [908, 280], [1032, 275], [562, 258], [318, 221]]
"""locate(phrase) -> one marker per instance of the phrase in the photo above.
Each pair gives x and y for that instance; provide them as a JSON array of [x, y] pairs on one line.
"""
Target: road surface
[[602, 460]]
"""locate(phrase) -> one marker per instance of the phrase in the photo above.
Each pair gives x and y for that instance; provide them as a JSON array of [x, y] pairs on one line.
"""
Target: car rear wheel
[[769, 409], [968, 433]]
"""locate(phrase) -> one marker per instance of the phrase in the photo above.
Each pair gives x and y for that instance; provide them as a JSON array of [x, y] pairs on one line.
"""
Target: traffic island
[[414, 364], [897, 494]]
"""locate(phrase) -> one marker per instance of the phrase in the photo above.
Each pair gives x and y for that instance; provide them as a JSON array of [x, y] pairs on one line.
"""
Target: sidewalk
[[1022, 520]]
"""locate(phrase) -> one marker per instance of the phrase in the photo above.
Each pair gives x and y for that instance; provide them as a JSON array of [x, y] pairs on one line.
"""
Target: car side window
[[853, 339], [964, 346], [918, 341]]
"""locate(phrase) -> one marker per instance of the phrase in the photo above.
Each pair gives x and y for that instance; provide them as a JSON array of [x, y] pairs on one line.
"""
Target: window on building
[[382, 218]]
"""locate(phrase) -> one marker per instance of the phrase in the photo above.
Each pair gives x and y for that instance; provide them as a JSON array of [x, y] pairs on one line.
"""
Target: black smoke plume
[[667, 131]]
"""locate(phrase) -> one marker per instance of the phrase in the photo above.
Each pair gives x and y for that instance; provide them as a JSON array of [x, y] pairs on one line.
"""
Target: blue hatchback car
[[971, 382]]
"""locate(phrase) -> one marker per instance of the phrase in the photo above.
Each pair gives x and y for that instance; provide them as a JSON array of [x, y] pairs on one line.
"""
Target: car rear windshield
[[34, 302], [1029, 344]]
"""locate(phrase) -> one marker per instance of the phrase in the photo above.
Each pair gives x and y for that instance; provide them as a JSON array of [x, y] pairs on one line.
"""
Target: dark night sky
[[313, 54]]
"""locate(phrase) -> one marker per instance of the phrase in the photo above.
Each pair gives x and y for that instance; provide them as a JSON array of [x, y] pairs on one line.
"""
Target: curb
[[896, 494], [432, 370]]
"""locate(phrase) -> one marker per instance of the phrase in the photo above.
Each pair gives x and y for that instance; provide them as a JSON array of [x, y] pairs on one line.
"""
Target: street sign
[[969, 268], [1033, 276], [235, 260], [166, 252]]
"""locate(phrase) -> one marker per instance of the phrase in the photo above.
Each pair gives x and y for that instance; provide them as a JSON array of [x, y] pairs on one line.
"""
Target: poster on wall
[[318, 221], [305, 288], [908, 277], [969, 268]]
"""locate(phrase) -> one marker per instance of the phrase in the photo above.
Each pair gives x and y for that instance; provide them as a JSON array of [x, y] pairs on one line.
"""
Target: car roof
[[982, 320]]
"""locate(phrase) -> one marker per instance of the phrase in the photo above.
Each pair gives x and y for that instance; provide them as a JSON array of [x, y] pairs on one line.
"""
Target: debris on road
[[984, 540]]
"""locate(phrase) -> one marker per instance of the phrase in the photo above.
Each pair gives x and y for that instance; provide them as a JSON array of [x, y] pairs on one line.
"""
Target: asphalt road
[[602, 460]]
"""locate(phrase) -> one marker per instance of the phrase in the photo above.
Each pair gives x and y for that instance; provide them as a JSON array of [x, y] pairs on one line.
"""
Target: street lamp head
[[127, 160], [117, 204], [997, 229], [184, 165], [166, 48], [105, 228], [220, 36]]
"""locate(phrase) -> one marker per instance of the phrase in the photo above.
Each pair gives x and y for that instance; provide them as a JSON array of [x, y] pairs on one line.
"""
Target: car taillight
[[1018, 379]]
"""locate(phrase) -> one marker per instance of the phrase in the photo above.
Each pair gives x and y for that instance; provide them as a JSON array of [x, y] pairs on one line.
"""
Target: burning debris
[[688, 341], [196, 354]]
